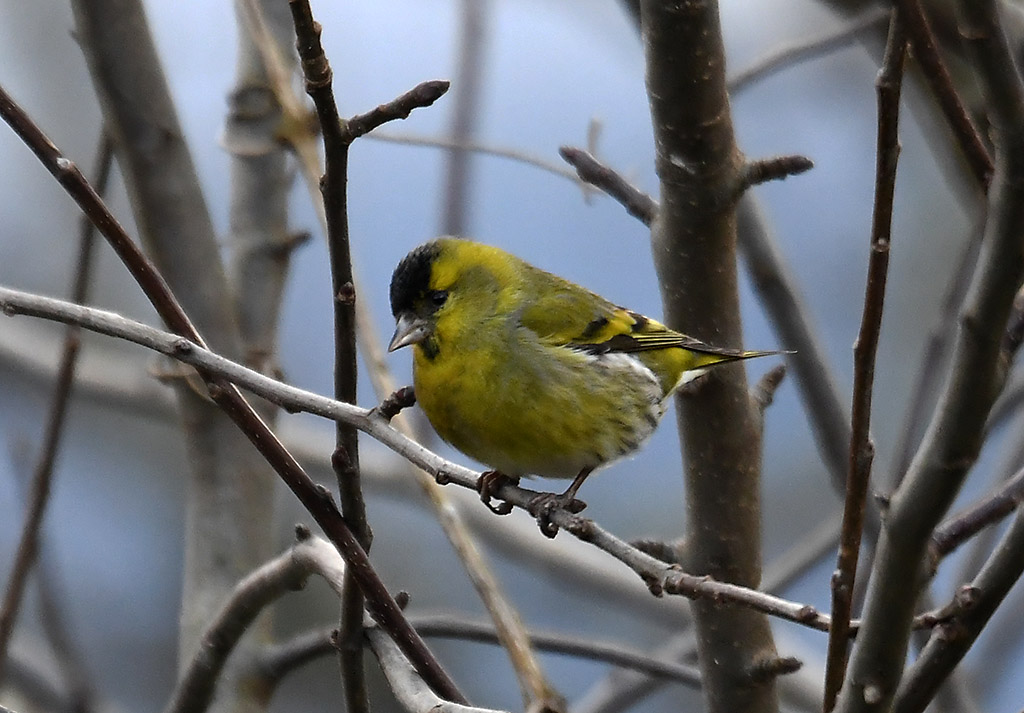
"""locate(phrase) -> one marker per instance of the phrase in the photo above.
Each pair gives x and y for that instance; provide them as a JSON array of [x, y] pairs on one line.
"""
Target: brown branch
[[961, 527], [888, 86], [637, 203], [954, 436], [922, 40], [776, 168], [337, 137], [42, 476], [764, 390], [420, 96], [397, 402], [379, 601], [345, 460]]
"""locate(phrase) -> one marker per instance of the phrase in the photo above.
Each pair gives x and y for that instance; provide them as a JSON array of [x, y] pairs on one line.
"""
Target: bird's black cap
[[412, 277]]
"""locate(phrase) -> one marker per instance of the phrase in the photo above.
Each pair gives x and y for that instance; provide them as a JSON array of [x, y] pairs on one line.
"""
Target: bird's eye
[[437, 297]]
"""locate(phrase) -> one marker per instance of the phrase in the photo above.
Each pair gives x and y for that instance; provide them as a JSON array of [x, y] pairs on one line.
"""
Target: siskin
[[529, 373]]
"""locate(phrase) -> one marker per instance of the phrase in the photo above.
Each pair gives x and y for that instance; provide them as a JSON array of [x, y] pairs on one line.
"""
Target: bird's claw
[[543, 506], [490, 481]]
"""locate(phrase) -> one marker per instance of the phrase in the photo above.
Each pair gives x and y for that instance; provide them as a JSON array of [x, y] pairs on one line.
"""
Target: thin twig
[[420, 96], [42, 475], [764, 390], [888, 86], [281, 659], [776, 168], [637, 203], [379, 601], [784, 56], [922, 40], [334, 191], [964, 525], [441, 142]]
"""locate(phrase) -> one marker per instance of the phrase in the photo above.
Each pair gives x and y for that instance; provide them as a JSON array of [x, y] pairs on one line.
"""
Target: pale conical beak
[[410, 330]]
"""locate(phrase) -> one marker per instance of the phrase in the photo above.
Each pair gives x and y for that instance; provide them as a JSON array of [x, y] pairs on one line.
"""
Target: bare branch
[[693, 242], [954, 436], [379, 601], [420, 96], [42, 476], [776, 168], [657, 576], [280, 660], [637, 203], [922, 39], [862, 450], [958, 529], [784, 56]]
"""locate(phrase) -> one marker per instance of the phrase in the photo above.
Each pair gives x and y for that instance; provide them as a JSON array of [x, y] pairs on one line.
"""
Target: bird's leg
[[490, 481], [544, 504]]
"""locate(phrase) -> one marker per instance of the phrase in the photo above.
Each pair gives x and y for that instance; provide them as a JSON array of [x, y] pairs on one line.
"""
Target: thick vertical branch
[[694, 246], [954, 436], [888, 86]]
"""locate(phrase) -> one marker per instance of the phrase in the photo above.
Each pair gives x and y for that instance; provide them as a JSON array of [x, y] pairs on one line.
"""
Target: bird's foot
[[543, 506], [490, 481]]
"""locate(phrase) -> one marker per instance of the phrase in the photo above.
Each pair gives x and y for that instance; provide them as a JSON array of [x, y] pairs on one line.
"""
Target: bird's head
[[446, 288]]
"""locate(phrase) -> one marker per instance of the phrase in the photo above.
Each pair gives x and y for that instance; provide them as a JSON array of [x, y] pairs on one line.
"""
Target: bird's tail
[[713, 356]]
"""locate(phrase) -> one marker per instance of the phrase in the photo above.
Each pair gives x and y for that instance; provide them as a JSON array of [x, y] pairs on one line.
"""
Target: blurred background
[[549, 70]]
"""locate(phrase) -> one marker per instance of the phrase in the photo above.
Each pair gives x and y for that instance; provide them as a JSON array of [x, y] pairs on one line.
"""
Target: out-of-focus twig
[[782, 56], [42, 475], [469, 73], [922, 40]]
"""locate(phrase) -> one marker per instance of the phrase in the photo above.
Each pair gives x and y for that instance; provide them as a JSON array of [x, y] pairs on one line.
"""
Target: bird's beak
[[410, 330]]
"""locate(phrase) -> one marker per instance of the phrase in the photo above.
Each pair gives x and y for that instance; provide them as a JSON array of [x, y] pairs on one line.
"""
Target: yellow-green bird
[[529, 373]]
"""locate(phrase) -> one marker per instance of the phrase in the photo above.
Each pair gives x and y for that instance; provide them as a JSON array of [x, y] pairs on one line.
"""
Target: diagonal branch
[[381, 605]]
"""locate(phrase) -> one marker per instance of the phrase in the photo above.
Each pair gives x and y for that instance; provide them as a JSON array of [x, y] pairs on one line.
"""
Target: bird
[[531, 374]]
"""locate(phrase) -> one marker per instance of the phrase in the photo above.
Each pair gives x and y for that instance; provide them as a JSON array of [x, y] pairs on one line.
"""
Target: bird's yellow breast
[[524, 407]]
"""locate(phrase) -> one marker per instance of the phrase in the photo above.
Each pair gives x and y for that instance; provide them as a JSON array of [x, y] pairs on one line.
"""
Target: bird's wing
[[565, 314]]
